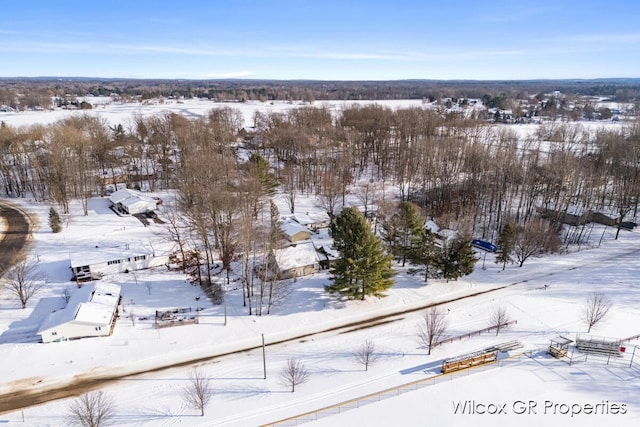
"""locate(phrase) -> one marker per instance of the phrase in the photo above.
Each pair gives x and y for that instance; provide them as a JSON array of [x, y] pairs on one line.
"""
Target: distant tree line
[[31, 92]]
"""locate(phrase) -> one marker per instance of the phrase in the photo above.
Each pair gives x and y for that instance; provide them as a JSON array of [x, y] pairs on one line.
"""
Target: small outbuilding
[[559, 346], [89, 314], [131, 202], [295, 232]]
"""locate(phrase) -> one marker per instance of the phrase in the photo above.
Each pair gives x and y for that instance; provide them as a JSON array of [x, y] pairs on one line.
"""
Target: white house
[[96, 262], [86, 315], [296, 260], [132, 202]]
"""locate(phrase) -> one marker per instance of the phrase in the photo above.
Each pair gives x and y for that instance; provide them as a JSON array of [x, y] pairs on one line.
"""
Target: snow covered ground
[[123, 113], [242, 397], [544, 296]]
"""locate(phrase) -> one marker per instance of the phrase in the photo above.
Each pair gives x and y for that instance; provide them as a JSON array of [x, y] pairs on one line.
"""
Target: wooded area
[[462, 169]]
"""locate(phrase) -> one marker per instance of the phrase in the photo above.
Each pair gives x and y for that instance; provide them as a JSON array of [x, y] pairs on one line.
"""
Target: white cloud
[[231, 75]]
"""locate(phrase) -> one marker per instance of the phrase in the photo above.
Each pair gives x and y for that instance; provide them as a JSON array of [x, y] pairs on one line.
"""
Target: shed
[[295, 260], [559, 346], [86, 315], [132, 202], [295, 232]]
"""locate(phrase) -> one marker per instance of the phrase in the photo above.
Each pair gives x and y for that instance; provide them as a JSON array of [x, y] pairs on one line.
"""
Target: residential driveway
[[14, 233]]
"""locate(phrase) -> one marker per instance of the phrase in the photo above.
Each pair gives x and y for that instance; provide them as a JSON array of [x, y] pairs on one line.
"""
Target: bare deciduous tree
[[595, 308], [432, 328], [498, 319], [365, 355], [197, 393], [66, 294], [294, 373], [95, 409], [24, 280]]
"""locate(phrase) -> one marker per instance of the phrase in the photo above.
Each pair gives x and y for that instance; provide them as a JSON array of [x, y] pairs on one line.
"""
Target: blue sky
[[321, 39]]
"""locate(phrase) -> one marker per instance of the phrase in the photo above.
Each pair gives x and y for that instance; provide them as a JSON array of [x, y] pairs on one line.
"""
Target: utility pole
[[224, 296], [264, 359]]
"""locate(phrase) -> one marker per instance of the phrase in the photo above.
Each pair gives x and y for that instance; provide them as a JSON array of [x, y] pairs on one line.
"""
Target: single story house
[[295, 232], [441, 235], [295, 261], [86, 315], [313, 221], [96, 262], [577, 216], [132, 202]]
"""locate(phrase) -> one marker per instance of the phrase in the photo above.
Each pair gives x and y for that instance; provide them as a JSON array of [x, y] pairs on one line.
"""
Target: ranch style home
[[99, 261], [91, 312], [131, 202]]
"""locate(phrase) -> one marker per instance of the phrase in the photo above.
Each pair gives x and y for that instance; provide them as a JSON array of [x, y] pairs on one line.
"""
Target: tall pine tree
[[457, 259], [363, 267], [505, 243], [402, 231], [426, 252]]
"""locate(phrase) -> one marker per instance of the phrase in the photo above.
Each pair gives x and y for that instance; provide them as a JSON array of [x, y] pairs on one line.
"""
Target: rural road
[[32, 395], [15, 234]]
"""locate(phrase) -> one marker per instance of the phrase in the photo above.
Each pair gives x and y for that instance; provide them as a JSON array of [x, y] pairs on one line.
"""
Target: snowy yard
[[545, 297]]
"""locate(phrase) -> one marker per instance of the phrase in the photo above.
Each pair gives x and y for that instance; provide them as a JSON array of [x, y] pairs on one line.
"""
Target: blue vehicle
[[484, 245]]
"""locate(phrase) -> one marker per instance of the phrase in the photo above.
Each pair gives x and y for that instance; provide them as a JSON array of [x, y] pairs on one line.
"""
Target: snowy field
[[123, 113], [544, 296], [242, 397]]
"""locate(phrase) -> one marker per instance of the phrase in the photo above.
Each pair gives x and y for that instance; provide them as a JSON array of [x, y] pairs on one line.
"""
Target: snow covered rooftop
[[106, 294], [310, 219], [299, 255], [94, 313], [432, 226], [95, 308], [291, 228], [128, 197], [99, 255]]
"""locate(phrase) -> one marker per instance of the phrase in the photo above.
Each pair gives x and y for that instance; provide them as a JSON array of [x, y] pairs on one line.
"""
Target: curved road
[[15, 235]]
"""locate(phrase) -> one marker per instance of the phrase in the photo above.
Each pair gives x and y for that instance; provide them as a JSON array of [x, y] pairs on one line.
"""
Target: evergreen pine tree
[[505, 244], [363, 267], [457, 259], [54, 221], [276, 235], [261, 167], [426, 252], [402, 231]]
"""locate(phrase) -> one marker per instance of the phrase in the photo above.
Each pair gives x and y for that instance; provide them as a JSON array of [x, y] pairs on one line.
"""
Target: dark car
[[484, 245], [627, 225]]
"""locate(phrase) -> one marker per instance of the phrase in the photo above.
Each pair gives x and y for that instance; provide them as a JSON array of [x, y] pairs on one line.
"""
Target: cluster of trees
[[481, 180], [26, 99]]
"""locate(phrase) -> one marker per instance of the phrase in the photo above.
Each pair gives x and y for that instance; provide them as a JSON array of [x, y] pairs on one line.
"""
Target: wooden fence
[[481, 331]]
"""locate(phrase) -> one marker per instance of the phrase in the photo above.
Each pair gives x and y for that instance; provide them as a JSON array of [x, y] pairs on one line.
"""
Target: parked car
[[627, 225], [484, 245]]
